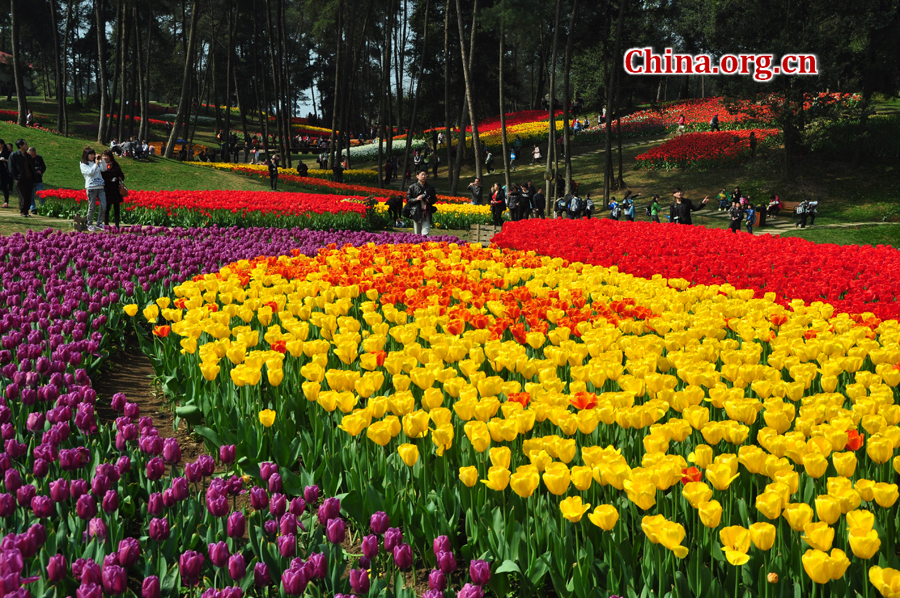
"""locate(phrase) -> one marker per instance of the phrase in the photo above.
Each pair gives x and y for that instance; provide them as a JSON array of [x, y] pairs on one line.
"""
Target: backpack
[[576, 204]]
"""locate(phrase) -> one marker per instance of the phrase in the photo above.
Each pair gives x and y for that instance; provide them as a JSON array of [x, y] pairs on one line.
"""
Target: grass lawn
[[886, 234], [62, 156]]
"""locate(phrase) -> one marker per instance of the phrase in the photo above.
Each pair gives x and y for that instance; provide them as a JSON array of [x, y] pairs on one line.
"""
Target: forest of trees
[[414, 64]]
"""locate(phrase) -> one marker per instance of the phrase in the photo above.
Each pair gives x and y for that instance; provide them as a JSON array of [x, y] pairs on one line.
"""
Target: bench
[[789, 207]]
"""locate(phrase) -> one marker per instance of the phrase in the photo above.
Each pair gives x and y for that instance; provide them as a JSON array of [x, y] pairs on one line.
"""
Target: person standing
[[476, 189], [628, 204], [273, 172], [513, 199], [681, 208], [6, 181], [113, 178], [29, 119], [803, 213], [736, 213], [655, 209], [422, 197], [524, 202], [92, 168], [538, 203], [512, 161], [498, 204], [714, 123], [751, 216], [22, 170], [535, 154], [680, 130], [489, 162], [39, 169]]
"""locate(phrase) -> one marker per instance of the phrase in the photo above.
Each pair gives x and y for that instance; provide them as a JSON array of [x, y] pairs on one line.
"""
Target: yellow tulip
[[710, 513], [573, 509], [859, 519], [671, 535], [209, 371], [735, 543], [498, 478], [702, 456], [769, 504], [651, 526], [762, 535], [442, 437], [823, 568], [797, 515], [469, 475], [581, 477], [753, 458], [556, 478], [643, 494], [415, 424], [815, 465], [886, 581], [274, 376], [844, 463], [604, 517], [524, 483], [151, 313], [500, 456], [886, 494], [828, 509], [696, 493], [866, 489], [864, 543], [131, 309], [880, 449], [409, 453], [267, 417], [818, 535], [720, 476], [354, 423], [380, 433]]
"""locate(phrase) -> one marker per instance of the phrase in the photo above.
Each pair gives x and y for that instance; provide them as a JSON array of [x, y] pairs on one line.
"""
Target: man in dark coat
[[21, 168], [680, 211]]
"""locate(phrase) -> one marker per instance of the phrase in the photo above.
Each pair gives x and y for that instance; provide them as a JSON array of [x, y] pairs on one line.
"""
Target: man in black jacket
[[22, 170], [421, 197], [39, 169], [680, 212]]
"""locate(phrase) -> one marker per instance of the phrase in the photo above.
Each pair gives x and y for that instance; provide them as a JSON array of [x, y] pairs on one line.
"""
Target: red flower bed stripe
[[854, 279], [714, 149]]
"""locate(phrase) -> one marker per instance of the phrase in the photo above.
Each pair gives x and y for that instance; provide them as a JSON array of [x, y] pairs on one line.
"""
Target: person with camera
[[420, 200], [92, 169], [21, 168], [681, 208]]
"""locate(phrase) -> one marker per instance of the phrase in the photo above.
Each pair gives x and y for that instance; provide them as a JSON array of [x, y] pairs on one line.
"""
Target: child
[[614, 210], [629, 209], [588, 206], [723, 200], [751, 216]]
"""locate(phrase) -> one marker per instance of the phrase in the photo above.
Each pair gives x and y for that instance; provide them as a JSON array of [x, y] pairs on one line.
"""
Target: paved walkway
[[787, 223]]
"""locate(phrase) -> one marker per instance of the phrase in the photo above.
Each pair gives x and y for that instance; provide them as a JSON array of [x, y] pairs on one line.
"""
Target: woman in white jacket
[[91, 168]]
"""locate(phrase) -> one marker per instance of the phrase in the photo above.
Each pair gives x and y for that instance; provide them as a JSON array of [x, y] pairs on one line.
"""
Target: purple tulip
[[110, 501], [480, 572], [379, 522], [155, 468], [192, 472], [403, 556], [38, 534], [171, 451], [35, 422], [470, 591], [40, 469], [24, 495], [150, 587], [365, 563], [123, 465], [278, 505], [42, 506], [180, 489], [227, 454], [329, 509], [392, 537], [297, 507], [12, 479], [216, 505], [91, 590], [336, 530], [218, 554], [359, 581], [237, 567], [97, 529], [266, 469], [288, 524], [446, 562], [99, 485], [118, 402], [295, 581], [275, 483], [86, 506], [441, 544], [271, 527], [7, 505], [370, 546], [59, 490], [114, 580], [129, 551], [132, 410], [319, 565], [433, 594], [259, 500], [207, 465], [311, 495], [287, 545], [437, 580], [155, 504], [237, 525], [261, 577], [232, 592], [159, 529], [189, 564], [56, 568]]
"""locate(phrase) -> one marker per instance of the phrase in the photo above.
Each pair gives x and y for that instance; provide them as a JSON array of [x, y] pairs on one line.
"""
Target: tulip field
[[713, 149], [386, 415]]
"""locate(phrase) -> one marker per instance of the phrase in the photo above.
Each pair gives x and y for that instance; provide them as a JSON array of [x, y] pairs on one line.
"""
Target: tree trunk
[[65, 72], [613, 81], [145, 107], [186, 79], [337, 81], [21, 93], [399, 62], [229, 65], [447, 96], [620, 182], [415, 103], [123, 58], [139, 60], [384, 113], [60, 86], [101, 65], [549, 175], [567, 98], [466, 76], [503, 137]]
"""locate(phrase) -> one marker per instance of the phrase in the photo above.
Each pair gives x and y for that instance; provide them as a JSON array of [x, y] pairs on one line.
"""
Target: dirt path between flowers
[[129, 371]]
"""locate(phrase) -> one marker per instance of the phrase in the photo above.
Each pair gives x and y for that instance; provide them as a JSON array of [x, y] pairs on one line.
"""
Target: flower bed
[[351, 176], [227, 208], [91, 506], [854, 279], [679, 436], [715, 149]]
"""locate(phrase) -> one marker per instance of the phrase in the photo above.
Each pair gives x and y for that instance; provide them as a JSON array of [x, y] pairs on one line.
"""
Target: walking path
[[787, 223]]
